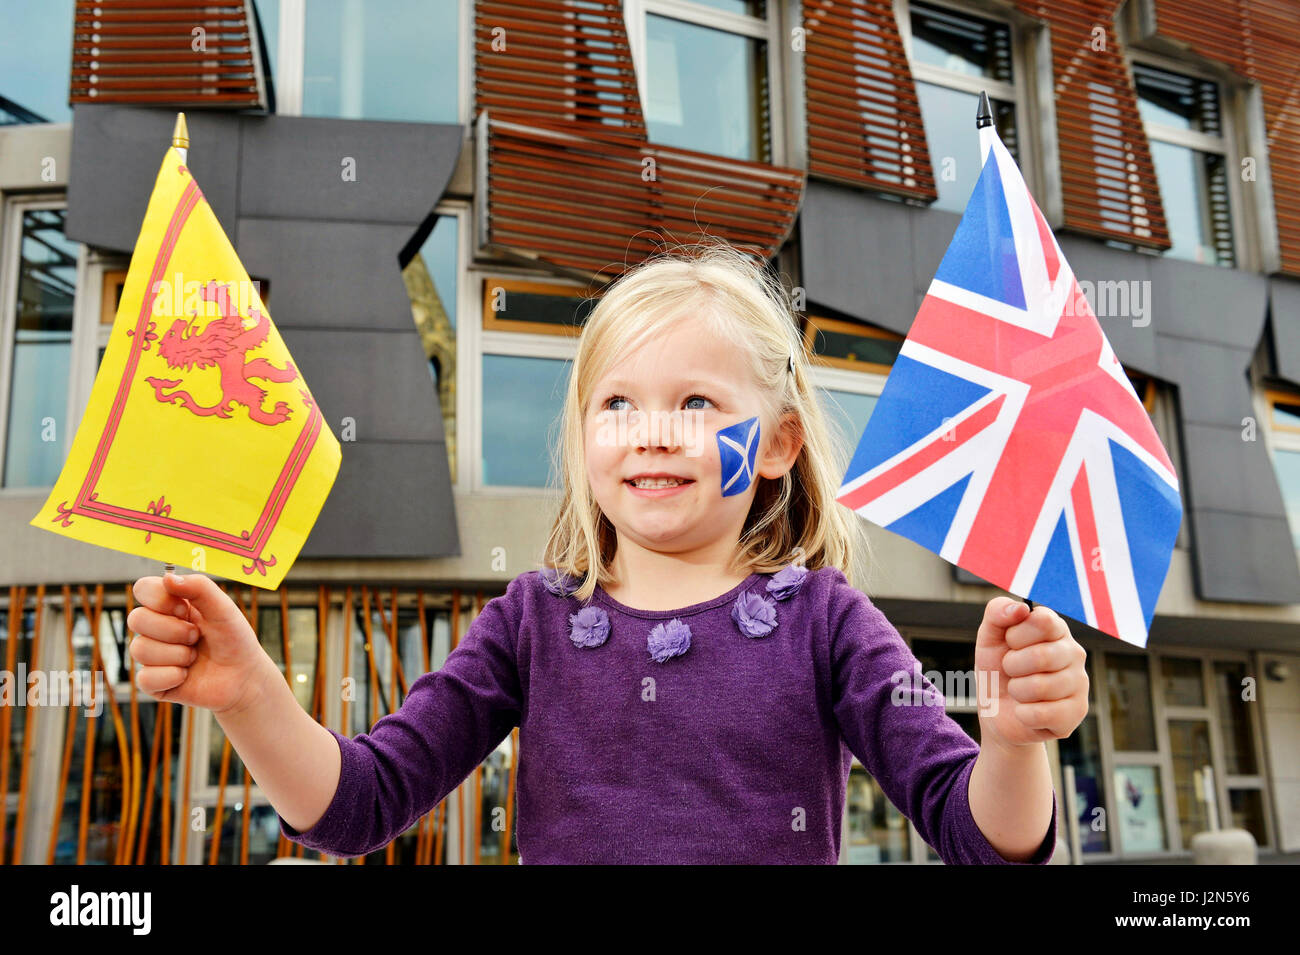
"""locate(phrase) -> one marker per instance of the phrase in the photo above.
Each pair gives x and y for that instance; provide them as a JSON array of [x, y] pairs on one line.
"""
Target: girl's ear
[[783, 449]]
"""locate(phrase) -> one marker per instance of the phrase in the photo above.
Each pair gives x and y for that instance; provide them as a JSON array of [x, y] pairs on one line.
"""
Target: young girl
[[691, 668]]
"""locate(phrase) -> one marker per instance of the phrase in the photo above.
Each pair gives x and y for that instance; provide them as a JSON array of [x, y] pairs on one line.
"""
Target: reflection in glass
[[35, 62], [949, 117], [1234, 720], [303, 639], [706, 89], [1128, 684], [961, 43], [1194, 191], [1082, 750], [522, 399], [430, 278], [1247, 809], [1182, 681], [268, 15], [382, 59], [1139, 809], [1189, 750], [877, 831], [42, 350]]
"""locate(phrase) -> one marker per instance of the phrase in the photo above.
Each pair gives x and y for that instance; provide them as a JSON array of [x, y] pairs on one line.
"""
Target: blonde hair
[[795, 518]]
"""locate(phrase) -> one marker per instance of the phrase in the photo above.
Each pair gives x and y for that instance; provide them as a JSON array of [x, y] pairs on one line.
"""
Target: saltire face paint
[[737, 450]]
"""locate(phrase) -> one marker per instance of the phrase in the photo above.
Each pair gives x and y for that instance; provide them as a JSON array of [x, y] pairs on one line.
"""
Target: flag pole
[[181, 143], [983, 120]]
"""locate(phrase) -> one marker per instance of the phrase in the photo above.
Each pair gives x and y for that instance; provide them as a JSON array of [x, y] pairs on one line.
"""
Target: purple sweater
[[716, 733]]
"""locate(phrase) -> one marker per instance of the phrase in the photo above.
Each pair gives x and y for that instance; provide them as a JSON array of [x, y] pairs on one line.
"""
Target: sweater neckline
[[600, 594]]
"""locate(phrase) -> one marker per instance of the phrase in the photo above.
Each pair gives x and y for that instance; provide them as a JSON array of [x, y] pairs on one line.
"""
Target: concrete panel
[[344, 275], [1118, 280], [391, 499], [294, 167], [1224, 475], [379, 379], [1208, 302], [116, 154], [1212, 383], [1244, 558]]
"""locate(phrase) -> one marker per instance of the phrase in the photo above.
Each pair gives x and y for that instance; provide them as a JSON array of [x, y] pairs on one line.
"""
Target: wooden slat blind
[[864, 119], [571, 179], [1260, 40], [1108, 180], [144, 52]]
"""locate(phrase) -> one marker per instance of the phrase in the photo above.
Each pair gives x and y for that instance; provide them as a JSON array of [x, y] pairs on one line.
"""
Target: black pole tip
[[984, 115]]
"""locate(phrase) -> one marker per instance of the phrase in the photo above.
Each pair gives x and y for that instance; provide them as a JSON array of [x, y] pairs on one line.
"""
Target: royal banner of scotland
[[201, 445], [1008, 438]]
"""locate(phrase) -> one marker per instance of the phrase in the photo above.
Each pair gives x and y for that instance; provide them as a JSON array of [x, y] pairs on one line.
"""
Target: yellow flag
[[201, 445]]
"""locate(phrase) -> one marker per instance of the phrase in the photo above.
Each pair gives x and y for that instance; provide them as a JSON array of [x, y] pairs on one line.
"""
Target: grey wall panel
[[116, 154], [1284, 311], [379, 379], [389, 500], [329, 248], [306, 260], [1195, 327], [293, 167]]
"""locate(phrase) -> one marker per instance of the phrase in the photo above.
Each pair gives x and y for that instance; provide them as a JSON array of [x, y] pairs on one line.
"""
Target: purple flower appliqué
[[670, 639], [559, 584], [786, 581], [589, 627], [755, 615]]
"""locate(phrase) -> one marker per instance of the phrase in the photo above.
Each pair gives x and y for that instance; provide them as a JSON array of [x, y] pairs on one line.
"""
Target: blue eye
[[609, 401], [701, 397]]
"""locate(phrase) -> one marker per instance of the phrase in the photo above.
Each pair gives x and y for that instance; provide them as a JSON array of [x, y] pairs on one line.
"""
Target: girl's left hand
[[1029, 674]]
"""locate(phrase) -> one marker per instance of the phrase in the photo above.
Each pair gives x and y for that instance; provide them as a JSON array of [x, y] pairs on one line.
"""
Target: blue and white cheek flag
[[1008, 438], [737, 451]]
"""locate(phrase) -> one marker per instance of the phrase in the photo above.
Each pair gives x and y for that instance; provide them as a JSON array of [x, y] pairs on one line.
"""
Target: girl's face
[[659, 411]]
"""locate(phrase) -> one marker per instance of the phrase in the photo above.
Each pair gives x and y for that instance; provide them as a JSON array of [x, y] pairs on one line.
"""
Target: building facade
[[433, 194]]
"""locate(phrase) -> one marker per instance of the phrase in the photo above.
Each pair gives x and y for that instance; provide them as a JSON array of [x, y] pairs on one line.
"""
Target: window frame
[[1024, 52], [12, 209], [1279, 437], [1244, 252], [291, 60], [768, 29]]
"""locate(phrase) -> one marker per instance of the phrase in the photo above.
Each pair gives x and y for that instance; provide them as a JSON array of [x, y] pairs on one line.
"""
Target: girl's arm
[[893, 719]]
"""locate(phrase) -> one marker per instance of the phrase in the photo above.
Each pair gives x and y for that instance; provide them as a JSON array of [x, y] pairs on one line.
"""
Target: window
[[529, 338], [851, 361], [1082, 750], [35, 62], [39, 285], [395, 60], [1129, 695], [703, 68], [1184, 122], [1285, 433], [954, 56], [877, 832]]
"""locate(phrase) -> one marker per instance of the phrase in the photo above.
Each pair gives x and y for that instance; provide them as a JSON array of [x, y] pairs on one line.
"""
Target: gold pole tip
[[181, 133]]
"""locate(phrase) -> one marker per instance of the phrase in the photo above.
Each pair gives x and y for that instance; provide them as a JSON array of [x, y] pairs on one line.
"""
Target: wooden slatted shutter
[[567, 175], [864, 118], [144, 52]]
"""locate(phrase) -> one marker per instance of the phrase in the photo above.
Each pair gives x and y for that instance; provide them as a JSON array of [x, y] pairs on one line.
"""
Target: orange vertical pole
[[148, 786], [137, 750], [17, 597], [69, 613], [29, 736]]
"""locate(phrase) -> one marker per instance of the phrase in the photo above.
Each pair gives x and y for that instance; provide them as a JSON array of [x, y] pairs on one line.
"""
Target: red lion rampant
[[224, 343]]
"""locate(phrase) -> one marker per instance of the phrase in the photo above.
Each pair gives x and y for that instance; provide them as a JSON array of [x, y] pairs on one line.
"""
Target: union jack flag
[[1008, 438]]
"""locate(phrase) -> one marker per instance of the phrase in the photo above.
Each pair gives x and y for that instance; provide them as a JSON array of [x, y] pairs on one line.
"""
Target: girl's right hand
[[195, 645]]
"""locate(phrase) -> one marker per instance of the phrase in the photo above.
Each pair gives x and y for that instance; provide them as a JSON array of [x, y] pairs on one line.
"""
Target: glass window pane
[[1129, 690], [1184, 102], [1082, 750], [1287, 466], [877, 831], [1247, 808], [303, 641], [949, 117], [752, 8], [706, 89], [537, 305], [1194, 192], [1286, 415], [847, 412], [38, 394], [1139, 807], [35, 61], [871, 349], [430, 279], [1189, 750], [1182, 681], [961, 43], [382, 59], [522, 400], [1234, 720]]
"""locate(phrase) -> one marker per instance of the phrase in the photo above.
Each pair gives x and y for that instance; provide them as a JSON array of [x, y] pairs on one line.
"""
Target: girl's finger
[[156, 680], [155, 653], [158, 626]]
